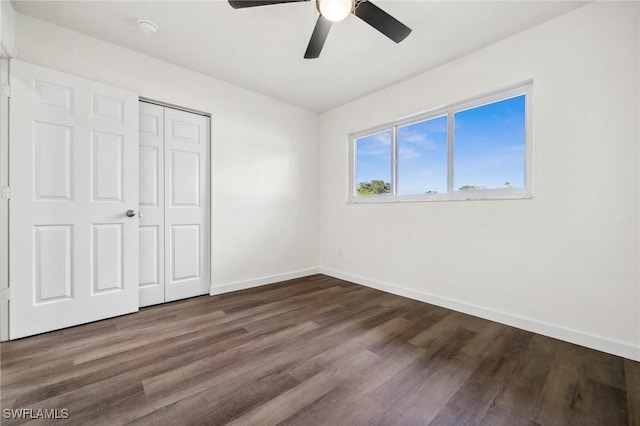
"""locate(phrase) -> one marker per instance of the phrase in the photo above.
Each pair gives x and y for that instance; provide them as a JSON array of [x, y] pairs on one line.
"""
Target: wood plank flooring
[[313, 351]]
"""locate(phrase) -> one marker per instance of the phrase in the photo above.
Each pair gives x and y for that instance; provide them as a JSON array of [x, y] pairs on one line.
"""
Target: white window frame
[[449, 111]]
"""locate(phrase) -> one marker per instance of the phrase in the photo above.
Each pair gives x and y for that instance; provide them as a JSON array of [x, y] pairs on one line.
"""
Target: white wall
[[264, 152], [7, 29], [563, 264]]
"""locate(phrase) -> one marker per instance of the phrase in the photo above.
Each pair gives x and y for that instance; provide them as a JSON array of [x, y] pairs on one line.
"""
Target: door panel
[[106, 261], [106, 172], [187, 212], [185, 179], [149, 256], [53, 263], [185, 252], [151, 278], [149, 175], [106, 107], [52, 145], [73, 174]]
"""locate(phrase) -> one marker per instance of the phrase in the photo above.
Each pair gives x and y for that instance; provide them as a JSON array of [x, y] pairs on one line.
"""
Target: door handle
[[131, 213]]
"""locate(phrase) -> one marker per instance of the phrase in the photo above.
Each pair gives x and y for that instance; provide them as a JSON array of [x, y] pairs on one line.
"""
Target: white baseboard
[[568, 335], [215, 289], [614, 347]]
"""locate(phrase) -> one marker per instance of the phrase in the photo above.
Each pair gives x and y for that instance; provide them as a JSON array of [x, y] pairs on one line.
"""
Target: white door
[[174, 202], [73, 175], [186, 181], [151, 229]]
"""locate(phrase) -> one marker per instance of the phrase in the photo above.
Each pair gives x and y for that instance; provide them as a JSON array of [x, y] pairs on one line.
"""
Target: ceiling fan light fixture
[[335, 10]]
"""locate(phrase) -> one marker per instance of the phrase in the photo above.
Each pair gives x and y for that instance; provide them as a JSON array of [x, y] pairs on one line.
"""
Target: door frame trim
[[178, 107], [5, 78]]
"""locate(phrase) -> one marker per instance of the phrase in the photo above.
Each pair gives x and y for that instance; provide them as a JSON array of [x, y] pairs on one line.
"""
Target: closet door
[[186, 180], [174, 204], [151, 230], [73, 175]]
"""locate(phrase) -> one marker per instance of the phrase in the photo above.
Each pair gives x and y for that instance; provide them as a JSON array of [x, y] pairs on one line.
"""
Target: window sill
[[486, 195]]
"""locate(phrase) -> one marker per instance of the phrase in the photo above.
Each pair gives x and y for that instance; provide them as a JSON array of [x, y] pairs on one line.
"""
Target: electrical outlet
[[339, 251]]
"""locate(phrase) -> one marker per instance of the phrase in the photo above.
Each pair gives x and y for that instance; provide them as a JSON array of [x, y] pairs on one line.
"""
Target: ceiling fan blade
[[318, 37], [240, 4], [381, 21]]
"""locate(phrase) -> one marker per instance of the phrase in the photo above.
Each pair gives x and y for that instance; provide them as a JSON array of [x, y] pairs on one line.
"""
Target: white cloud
[[415, 144], [375, 145]]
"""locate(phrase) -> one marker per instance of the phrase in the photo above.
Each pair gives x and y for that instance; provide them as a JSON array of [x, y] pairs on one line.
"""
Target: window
[[422, 157], [374, 163], [472, 150]]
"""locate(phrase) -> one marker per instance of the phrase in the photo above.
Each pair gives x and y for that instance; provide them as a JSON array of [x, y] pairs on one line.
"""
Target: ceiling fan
[[334, 11]]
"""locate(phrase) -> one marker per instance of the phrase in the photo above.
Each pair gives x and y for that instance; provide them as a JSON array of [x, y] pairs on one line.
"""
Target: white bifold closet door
[[73, 176], [174, 204]]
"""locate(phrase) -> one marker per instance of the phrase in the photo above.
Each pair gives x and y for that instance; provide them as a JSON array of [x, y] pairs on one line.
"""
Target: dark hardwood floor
[[313, 351]]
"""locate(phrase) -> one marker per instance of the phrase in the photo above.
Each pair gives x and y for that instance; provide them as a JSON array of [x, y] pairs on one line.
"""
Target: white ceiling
[[262, 48]]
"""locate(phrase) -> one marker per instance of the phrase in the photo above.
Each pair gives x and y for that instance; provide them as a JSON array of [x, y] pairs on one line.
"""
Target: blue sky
[[488, 151], [374, 157], [422, 157]]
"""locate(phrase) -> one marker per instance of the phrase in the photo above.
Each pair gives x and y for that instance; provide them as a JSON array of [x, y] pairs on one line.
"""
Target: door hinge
[[5, 193], [6, 90], [5, 293]]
